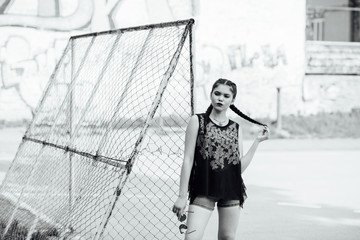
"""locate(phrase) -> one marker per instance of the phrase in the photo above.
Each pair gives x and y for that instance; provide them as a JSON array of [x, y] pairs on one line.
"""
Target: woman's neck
[[218, 115]]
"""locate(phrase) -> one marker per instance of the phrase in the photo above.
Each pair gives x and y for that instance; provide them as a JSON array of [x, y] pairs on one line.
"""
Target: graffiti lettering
[[240, 57]]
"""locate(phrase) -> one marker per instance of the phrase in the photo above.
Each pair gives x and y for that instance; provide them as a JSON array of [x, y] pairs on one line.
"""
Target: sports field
[[298, 189]]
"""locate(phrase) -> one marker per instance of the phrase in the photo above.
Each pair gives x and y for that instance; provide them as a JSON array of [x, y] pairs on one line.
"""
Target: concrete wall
[[260, 45], [332, 81], [257, 44], [331, 93], [341, 58]]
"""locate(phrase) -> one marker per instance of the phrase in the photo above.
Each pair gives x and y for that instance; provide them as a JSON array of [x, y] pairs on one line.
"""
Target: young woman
[[213, 164]]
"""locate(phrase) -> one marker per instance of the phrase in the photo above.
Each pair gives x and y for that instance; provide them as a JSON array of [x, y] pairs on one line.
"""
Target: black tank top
[[216, 171]]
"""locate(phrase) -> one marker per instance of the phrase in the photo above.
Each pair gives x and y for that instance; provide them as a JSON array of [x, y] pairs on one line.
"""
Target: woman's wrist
[[182, 195]]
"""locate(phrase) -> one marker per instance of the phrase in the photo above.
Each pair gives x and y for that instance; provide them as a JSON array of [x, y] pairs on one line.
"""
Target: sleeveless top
[[216, 171]]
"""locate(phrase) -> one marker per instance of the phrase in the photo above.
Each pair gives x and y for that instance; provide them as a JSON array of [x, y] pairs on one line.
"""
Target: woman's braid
[[238, 112], [208, 110]]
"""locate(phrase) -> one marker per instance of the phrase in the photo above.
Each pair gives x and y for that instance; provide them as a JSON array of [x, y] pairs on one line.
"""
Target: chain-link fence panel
[[101, 158]]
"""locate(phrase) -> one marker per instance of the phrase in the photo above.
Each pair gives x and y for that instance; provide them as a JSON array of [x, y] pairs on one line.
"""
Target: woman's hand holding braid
[[263, 134]]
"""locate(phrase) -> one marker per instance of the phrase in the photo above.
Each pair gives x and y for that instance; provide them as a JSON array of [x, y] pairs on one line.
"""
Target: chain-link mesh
[[101, 158]]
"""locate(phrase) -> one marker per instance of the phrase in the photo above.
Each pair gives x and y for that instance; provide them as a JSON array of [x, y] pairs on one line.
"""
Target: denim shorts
[[209, 202]]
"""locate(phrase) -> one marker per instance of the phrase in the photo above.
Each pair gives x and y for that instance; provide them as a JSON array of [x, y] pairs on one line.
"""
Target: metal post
[[71, 128], [192, 68], [279, 120]]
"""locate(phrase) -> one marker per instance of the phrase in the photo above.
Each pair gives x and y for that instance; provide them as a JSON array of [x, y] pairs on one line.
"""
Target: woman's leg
[[228, 222], [198, 218]]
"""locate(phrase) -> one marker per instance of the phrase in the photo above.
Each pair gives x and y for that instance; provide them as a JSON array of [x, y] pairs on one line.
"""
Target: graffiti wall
[[25, 67], [257, 44], [33, 35]]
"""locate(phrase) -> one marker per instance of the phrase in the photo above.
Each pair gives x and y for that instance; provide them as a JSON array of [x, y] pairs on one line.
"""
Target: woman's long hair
[[232, 106]]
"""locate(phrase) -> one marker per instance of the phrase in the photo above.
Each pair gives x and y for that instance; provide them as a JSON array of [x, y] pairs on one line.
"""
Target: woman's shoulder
[[198, 116], [194, 119], [198, 119], [193, 124]]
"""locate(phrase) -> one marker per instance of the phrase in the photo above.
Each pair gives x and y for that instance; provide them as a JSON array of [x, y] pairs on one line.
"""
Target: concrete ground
[[301, 189], [297, 189]]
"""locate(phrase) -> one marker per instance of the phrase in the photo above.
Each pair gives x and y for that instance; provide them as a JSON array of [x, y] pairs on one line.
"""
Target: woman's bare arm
[[190, 142], [246, 160]]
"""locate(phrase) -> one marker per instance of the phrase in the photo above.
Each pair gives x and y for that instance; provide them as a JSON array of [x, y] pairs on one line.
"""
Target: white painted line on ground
[[298, 205]]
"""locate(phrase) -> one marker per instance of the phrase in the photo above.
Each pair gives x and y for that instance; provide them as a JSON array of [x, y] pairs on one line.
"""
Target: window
[[333, 20]]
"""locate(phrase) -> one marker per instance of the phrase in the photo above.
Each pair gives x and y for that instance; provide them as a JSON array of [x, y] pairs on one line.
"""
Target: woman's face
[[222, 97]]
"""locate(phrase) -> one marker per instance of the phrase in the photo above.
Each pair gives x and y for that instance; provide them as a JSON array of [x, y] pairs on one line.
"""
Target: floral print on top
[[220, 145]]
